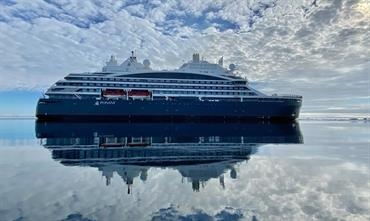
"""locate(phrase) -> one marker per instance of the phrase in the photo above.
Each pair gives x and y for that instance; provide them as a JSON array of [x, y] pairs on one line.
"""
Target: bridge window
[[173, 75]]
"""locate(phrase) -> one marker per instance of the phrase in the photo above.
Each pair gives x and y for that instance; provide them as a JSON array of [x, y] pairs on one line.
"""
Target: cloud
[[286, 41], [76, 217], [171, 213]]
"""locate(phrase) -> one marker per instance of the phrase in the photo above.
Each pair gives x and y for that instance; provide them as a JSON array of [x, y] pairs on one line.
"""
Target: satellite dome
[[233, 173], [146, 63], [232, 67]]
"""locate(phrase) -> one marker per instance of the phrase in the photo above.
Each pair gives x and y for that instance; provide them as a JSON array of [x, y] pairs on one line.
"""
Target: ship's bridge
[[202, 66], [129, 65]]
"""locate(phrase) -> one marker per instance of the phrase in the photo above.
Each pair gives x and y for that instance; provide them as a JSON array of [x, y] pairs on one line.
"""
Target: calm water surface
[[314, 170]]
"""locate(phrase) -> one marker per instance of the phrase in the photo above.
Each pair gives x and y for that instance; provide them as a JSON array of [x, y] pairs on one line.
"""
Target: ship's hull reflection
[[199, 151]]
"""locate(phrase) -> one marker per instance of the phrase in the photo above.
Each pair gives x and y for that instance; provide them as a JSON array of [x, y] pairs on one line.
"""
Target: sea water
[[312, 170]]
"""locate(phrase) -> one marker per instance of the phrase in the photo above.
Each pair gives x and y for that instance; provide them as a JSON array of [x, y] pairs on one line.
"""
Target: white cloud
[[287, 41]]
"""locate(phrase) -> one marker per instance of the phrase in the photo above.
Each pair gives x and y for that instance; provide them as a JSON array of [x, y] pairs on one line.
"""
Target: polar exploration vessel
[[132, 90]]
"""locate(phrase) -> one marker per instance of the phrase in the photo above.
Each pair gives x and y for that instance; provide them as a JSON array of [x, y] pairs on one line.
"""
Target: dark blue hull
[[254, 108]]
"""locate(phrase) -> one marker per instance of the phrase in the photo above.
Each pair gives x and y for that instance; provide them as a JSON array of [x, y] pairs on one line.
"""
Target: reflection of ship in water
[[199, 151]]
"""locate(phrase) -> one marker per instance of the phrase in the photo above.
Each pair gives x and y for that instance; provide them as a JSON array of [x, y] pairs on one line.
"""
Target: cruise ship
[[132, 90]]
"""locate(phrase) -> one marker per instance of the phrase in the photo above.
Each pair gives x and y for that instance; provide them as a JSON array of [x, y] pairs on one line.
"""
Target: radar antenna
[[232, 67], [133, 58]]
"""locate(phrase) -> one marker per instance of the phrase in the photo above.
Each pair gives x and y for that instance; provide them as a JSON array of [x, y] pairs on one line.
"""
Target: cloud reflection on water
[[325, 178]]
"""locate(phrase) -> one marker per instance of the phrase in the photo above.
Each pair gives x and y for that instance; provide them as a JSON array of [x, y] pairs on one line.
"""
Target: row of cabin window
[[187, 92], [153, 86], [205, 92], [148, 80], [90, 89]]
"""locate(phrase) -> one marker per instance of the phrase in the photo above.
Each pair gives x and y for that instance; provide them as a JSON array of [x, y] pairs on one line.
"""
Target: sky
[[315, 48]]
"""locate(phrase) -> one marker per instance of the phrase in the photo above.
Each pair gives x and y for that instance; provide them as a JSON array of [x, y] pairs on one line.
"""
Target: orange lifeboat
[[113, 93], [139, 94]]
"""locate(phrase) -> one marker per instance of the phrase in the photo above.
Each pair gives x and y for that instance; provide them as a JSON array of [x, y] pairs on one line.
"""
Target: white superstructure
[[195, 79]]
